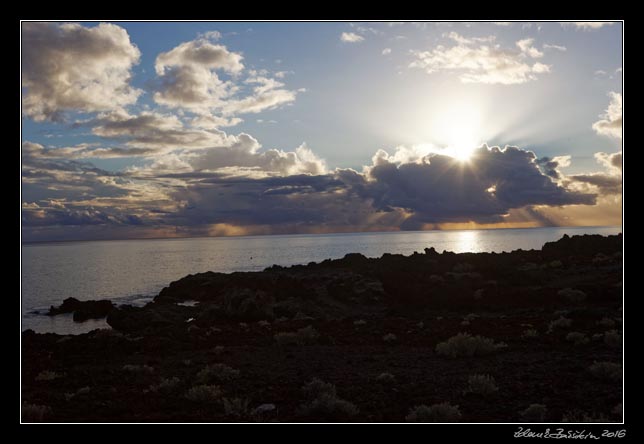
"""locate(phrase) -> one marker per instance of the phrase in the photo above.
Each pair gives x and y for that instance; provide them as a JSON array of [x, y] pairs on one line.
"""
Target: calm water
[[134, 271]]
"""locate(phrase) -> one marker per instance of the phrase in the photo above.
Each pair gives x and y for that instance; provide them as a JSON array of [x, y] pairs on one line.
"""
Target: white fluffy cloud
[[351, 37], [188, 75], [386, 51], [239, 155], [69, 67], [189, 79], [478, 60], [611, 121]]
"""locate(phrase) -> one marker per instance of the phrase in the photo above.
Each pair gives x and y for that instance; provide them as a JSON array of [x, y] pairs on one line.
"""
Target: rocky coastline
[[524, 336]]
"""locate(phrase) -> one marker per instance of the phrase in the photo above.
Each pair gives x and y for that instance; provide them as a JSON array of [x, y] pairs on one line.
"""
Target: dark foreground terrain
[[535, 336]]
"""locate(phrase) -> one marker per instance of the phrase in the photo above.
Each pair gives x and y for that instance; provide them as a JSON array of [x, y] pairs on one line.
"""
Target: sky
[[173, 129]]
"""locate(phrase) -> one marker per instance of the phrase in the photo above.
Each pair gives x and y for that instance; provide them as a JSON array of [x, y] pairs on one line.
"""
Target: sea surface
[[134, 271]]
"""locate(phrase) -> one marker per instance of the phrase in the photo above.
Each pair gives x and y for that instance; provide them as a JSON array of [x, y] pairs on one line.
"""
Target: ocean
[[134, 271]]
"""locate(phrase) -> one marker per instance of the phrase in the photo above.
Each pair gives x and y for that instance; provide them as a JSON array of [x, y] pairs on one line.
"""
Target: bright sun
[[458, 130]]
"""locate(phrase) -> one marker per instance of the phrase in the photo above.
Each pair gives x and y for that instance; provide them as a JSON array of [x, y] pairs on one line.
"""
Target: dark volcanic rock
[[588, 244], [83, 310]]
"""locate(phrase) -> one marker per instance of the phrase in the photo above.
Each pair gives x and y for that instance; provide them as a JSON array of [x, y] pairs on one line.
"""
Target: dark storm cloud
[[441, 189], [437, 189], [37, 216], [387, 195]]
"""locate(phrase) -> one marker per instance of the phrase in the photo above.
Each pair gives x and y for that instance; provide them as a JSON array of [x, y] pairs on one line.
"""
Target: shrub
[[481, 385], [386, 378], [534, 413], [359, 322], [608, 371], [389, 337], [577, 337], [204, 393], [577, 415], [470, 317], [48, 375], [34, 412], [216, 373], [606, 322], [264, 323], [303, 336], [236, 407], [299, 316], [465, 323], [316, 388], [464, 344], [613, 338], [263, 412], [530, 333], [561, 322], [420, 325], [324, 403], [444, 412], [81, 391], [167, 385], [329, 408], [478, 294], [573, 295], [141, 369]]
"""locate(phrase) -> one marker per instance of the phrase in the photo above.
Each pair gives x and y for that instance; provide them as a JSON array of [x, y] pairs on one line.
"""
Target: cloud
[[587, 25], [608, 182], [240, 188], [478, 60], [526, 47], [188, 79], [155, 131], [239, 156], [210, 35], [386, 51], [550, 166], [611, 121], [556, 47], [351, 37], [69, 67], [437, 188], [268, 94], [612, 162]]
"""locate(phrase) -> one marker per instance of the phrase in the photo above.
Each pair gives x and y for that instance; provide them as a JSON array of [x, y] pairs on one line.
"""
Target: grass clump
[[303, 336], [464, 344], [236, 407], [607, 371], [577, 338], [324, 404], [204, 393], [217, 373], [443, 412], [534, 413], [481, 385], [34, 412]]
